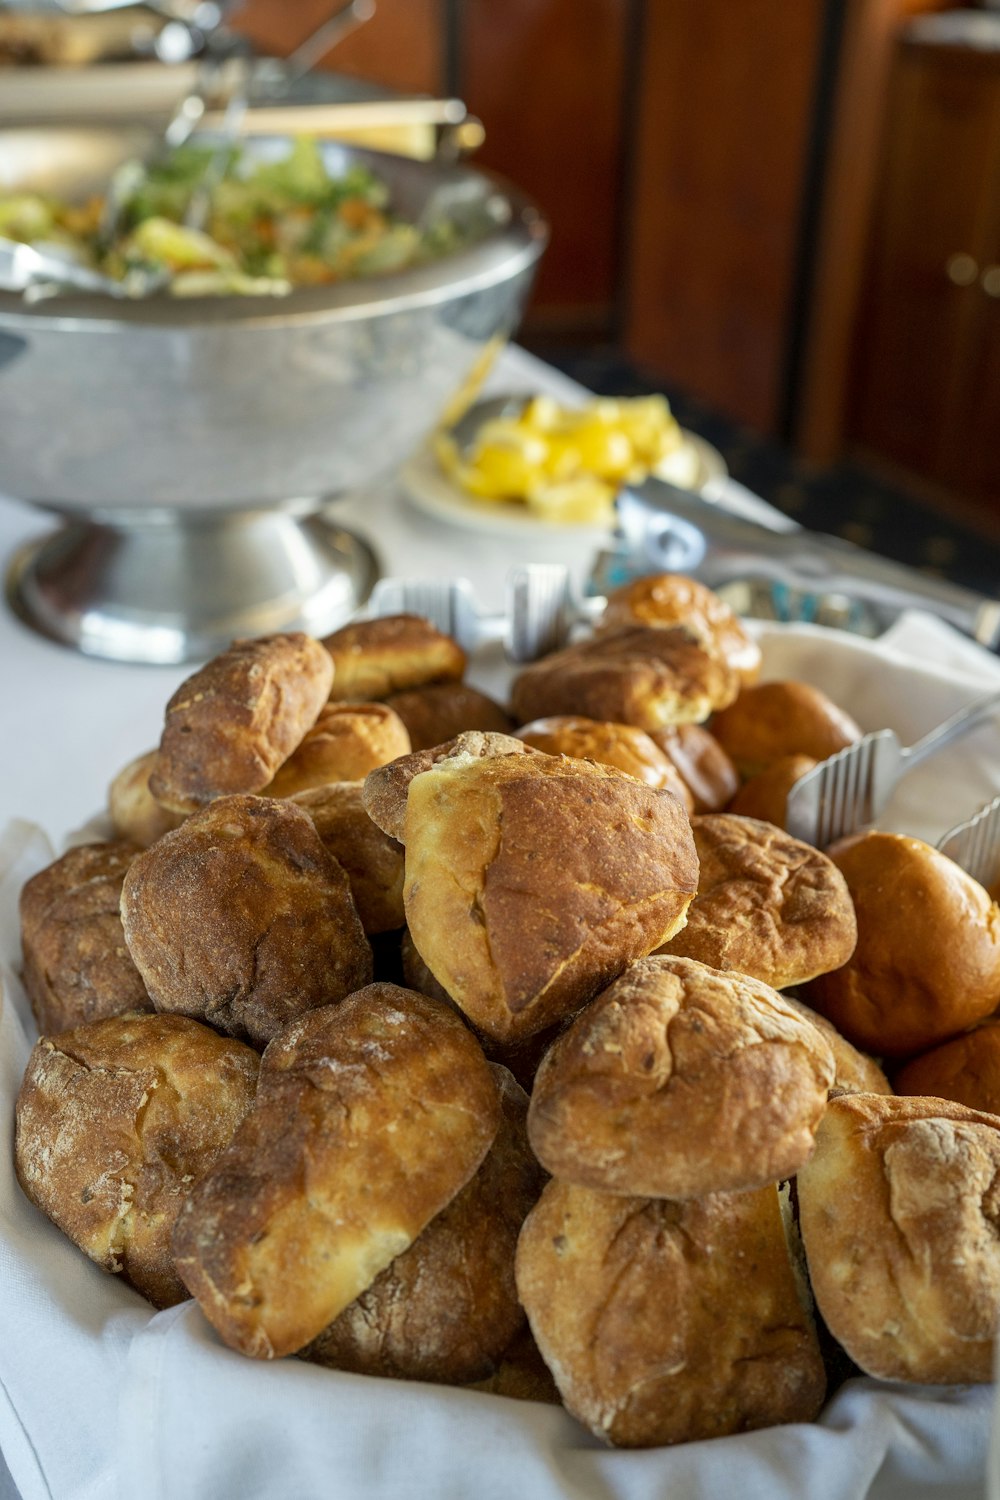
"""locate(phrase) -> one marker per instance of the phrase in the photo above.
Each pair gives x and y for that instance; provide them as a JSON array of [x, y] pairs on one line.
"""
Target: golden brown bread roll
[[532, 881], [773, 719], [679, 1081], [899, 1211], [666, 599], [134, 811], [765, 796], [232, 724], [441, 710], [704, 766], [242, 918], [373, 658], [644, 676], [927, 961], [965, 1070], [854, 1072], [347, 741], [115, 1121], [370, 1116], [631, 750], [522, 1373], [386, 789], [767, 904], [447, 1308], [668, 1322], [77, 967], [371, 860]]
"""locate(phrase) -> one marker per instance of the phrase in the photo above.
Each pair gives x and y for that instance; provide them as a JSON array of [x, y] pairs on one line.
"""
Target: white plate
[[430, 489]]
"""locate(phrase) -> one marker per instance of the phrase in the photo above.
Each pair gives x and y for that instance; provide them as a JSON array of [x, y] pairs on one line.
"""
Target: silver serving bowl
[[194, 445]]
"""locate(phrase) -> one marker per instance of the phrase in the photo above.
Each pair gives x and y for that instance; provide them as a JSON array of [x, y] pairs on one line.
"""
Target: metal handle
[[344, 19], [951, 729]]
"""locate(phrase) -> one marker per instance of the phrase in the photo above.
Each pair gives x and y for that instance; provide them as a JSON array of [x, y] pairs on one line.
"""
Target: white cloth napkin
[[100, 1398]]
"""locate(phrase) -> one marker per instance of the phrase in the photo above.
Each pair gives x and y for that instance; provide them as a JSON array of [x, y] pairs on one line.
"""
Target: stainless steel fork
[[850, 790], [975, 844]]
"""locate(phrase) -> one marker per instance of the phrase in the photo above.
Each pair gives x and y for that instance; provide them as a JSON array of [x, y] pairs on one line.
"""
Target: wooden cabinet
[[927, 365]]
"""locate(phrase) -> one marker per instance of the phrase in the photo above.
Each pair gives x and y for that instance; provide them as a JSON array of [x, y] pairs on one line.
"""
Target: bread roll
[[668, 1322], [767, 904], [447, 1308], [386, 789], [704, 766], [532, 881], [854, 1072], [441, 710], [371, 860], [765, 796], [347, 741], [373, 658], [630, 749], [242, 918], [115, 1121], [232, 724], [370, 1116], [678, 1081], [77, 967], [927, 961], [667, 599], [772, 720], [134, 811], [643, 676], [965, 1070], [899, 1217]]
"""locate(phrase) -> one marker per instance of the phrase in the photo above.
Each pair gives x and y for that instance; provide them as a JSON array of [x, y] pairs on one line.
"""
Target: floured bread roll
[[767, 904], [622, 745], [77, 967], [232, 724], [667, 599], [447, 1308], [371, 860], [900, 1215], [115, 1122], [370, 1116], [678, 1081], [704, 766], [441, 710], [242, 918], [373, 658], [532, 881], [134, 811], [386, 789], [347, 741], [644, 676], [668, 1322], [771, 720]]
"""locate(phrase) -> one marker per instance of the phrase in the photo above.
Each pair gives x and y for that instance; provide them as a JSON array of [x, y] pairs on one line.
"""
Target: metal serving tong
[[975, 844]]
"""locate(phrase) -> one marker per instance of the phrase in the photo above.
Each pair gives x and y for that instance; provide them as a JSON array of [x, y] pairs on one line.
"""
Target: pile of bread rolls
[[519, 1046]]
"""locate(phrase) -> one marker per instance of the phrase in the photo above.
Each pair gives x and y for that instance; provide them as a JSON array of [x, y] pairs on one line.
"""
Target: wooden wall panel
[[724, 123], [402, 46]]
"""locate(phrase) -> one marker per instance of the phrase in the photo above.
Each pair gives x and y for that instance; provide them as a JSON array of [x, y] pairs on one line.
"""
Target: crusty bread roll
[[773, 719], [679, 1081], [77, 967], [441, 710], [522, 1374], [668, 1322], [371, 860], [899, 1217], [115, 1121], [134, 811], [532, 881], [370, 1116], [622, 745], [373, 658], [232, 724], [767, 905], [927, 961], [704, 766], [447, 1308], [965, 1070], [386, 789], [347, 741], [242, 918], [765, 796], [666, 599], [854, 1072]]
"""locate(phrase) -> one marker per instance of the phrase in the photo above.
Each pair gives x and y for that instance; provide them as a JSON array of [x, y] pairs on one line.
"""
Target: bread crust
[[770, 720], [679, 1081], [439, 711], [373, 658], [347, 741], [704, 766], [371, 860], [854, 1072], [767, 905], [370, 1116], [900, 1213], [668, 1322], [622, 745], [77, 967], [134, 811], [386, 789], [665, 599], [232, 724], [765, 796], [115, 1121], [242, 918], [965, 1070]]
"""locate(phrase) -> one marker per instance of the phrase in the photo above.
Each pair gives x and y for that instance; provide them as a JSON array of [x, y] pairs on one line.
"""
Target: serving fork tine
[[849, 791], [975, 844]]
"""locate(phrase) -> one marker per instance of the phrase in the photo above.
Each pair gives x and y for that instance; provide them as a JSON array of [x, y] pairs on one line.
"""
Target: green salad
[[268, 226]]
